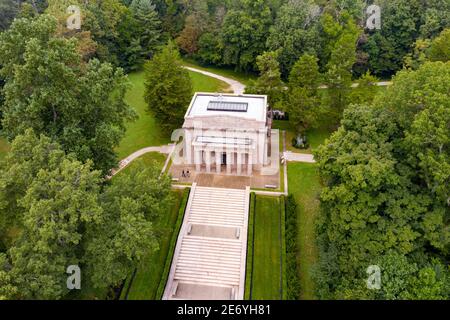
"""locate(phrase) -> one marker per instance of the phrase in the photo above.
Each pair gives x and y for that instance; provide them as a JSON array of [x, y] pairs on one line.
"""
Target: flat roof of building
[[247, 106]]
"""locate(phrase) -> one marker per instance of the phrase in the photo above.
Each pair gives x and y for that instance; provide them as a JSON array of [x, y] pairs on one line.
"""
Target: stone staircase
[[209, 259]]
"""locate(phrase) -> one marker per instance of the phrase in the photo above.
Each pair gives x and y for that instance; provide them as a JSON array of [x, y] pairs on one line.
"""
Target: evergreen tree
[[303, 103], [168, 88], [269, 82]]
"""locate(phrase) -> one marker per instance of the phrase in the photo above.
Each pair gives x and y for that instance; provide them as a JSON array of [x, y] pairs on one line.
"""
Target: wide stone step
[[231, 195], [223, 278], [220, 189], [214, 203], [231, 214], [212, 214], [218, 202], [214, 256], [210, 251], [207, 190], [229, 263], [214, 207], [216, 223], [196, 280], [200, 244], [213, 240], [219, 197], [206, 265], [218, 216], [207, 270]]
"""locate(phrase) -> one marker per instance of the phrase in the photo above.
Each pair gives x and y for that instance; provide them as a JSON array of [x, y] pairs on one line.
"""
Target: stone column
[[218, 161], [198, 160], [239, 163], [250, 164], [208, 161], [187, 147], [229, 161]]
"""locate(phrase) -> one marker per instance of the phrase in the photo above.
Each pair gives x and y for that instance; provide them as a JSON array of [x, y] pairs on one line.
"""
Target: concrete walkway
[[298, 157], [210, 256], [355, 85], [236, 86]]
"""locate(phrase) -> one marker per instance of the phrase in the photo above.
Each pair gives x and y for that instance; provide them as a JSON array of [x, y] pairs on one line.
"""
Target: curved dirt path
[[238, 88]]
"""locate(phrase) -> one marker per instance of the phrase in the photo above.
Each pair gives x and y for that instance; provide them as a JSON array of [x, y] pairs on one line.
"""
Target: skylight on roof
[[227, 106]]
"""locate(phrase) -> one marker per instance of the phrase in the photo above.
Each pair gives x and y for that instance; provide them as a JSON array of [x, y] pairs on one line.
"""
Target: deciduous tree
[[48, 88]]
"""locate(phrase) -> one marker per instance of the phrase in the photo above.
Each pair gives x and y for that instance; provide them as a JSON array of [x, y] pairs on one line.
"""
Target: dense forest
[[385, 169], [234, 33]]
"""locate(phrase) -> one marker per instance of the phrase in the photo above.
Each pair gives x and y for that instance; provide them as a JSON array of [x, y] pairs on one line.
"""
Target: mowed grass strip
[[304, 184], [267, 250]]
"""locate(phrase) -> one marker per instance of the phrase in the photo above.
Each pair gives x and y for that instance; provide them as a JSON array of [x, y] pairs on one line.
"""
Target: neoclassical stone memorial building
[[227, 133]]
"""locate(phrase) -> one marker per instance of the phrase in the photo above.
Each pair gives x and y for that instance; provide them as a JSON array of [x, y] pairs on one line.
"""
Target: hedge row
[[250, 238], [284, 285], [173, 242], [293, 281]]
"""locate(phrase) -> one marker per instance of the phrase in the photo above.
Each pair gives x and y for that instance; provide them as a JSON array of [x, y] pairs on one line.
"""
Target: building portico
[[226, 134], [223, 162]]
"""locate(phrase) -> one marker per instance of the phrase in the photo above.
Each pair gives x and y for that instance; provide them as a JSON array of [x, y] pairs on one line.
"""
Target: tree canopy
[[48, 88], [67, 217], [388, 172]]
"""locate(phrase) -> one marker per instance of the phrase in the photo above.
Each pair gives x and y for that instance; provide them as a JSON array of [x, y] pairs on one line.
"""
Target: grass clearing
[[305, 186], [144, 132], [266, 266], [202, 83]]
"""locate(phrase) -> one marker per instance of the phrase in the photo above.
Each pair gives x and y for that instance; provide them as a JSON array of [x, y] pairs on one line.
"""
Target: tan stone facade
[[227, 141]]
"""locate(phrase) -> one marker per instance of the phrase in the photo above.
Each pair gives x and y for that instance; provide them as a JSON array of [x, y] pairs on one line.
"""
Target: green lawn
[[145, 132], [267, 247], [304, 184], [202, 83], [147, 159], [4, 148], [242, 77]]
